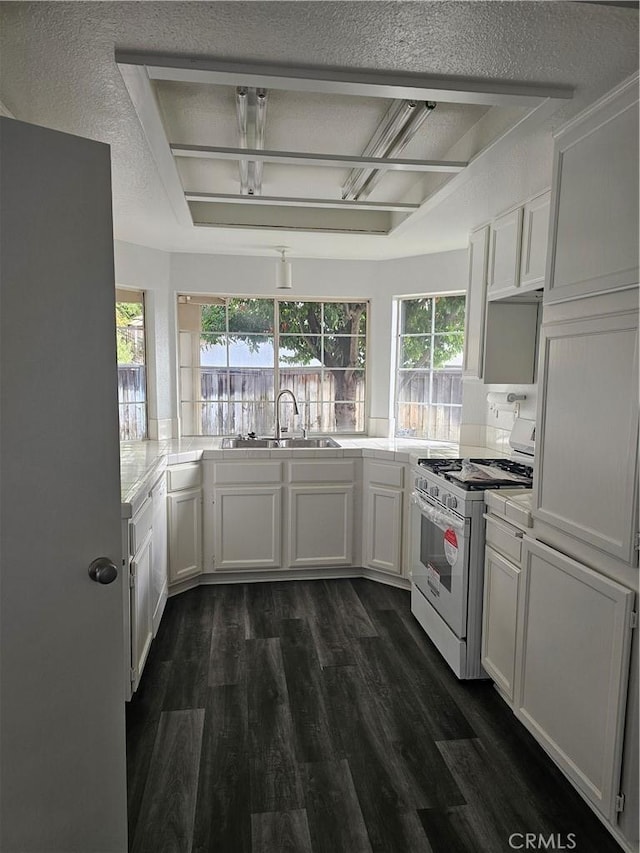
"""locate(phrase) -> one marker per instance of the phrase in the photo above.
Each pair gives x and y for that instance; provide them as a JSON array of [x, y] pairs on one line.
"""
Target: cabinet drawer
[[250, 473], [321, 471], [504, 539], [385, 474], [187, 476], [140, 525]]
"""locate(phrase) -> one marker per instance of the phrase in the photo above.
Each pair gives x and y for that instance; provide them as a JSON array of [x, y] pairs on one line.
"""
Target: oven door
[[439, 542]]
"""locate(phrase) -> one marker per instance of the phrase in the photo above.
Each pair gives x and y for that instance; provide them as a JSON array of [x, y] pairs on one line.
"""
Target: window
[[132, 380], [236, 354], [429, 374]]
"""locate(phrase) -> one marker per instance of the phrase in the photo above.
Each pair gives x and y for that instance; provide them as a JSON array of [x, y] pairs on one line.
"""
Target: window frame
[[431, 336], [277, 334], [137, 296]]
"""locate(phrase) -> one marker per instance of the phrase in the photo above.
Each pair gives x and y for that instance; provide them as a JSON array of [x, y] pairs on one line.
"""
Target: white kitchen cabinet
[[383, 500], [185, 534], [320, 512], [320, 525], [511, 334], [499, 617], [159, 577], [141, 589], [535, 237], [572, 664], [184, 505], [504, 254], [588, 426], [475, 303], [594, 233], [248, 527]]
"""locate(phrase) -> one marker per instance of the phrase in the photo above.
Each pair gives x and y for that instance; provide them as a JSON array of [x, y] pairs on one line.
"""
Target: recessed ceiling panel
[[208, 124]]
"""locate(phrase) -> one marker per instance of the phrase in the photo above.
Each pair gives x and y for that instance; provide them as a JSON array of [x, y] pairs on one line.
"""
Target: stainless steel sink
[[273, 443]]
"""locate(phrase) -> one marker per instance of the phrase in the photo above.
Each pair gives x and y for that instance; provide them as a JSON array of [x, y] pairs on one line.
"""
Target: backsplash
[[484, 427]]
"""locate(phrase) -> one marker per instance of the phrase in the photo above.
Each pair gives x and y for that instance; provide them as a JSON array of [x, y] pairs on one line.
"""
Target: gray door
[[63, 779]]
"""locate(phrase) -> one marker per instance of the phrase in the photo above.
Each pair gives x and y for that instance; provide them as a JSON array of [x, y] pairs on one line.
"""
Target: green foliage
[[129, 339], [418, 322], [303, 323]]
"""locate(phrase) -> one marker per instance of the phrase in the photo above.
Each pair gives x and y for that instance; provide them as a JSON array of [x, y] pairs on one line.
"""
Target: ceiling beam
[[364, 83], [231, 198], [142, 95], [303, 158]]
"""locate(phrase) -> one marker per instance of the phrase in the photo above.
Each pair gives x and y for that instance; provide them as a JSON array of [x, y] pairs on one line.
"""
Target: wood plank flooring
[[317, 717]]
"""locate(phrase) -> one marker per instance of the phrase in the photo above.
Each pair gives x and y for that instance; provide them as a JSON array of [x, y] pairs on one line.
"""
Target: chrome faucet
[[295, 408]]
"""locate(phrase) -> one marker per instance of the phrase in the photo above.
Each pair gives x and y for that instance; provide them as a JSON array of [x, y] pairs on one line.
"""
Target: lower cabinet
[[185, 534], [383, 499], [159, 578], [572, 666], [141, 607], [320, 525], [247, 524], [499, 614]]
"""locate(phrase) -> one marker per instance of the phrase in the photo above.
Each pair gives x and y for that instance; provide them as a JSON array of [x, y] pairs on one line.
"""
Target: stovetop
[[501, 473]]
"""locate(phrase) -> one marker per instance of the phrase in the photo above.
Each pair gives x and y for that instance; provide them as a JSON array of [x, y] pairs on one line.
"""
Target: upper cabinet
[[507, 260], [504, 254], [594, 230], [475, 302], [535, 238]]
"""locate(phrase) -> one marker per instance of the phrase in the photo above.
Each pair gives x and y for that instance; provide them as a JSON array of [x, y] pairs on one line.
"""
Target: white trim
[[293, 201], [303, 158], [374, 84]]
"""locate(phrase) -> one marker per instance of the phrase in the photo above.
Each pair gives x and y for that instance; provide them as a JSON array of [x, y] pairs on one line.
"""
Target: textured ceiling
[[57, 69]]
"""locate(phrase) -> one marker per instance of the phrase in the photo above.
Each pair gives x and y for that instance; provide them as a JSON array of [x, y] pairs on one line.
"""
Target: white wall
[[164, 275]]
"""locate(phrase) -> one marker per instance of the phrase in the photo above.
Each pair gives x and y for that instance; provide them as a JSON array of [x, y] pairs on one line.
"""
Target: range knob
[[450, 501], [434, 491]]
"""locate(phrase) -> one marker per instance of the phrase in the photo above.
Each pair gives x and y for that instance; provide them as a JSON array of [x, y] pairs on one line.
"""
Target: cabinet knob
[[102, 570]]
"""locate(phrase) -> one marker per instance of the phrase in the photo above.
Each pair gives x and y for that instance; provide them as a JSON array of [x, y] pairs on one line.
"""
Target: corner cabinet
[[383, 499], [572, 666], [185, 521]]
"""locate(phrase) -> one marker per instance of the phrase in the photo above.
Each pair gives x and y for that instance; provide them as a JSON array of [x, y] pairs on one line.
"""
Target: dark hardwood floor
[[316, 717]]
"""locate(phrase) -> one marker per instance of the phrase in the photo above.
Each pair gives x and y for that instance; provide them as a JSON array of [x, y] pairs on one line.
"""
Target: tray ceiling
[[259, 146]]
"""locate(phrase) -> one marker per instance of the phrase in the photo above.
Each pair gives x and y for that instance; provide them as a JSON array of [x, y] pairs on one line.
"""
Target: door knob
[[102, 570]]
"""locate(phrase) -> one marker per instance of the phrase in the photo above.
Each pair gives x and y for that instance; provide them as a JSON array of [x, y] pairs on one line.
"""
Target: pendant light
[[283, 271]]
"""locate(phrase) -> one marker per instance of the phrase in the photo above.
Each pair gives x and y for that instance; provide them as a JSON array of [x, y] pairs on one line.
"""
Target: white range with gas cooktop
[[447, 551]]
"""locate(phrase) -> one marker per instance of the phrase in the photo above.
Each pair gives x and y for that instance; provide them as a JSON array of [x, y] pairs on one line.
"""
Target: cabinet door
[[572, 667], [248, 525], [499, 615], [159, 565], [383, 529], [141, 607], [511, 333], [475, 302], [535, 238], [185, 534], [504, 254], [594, 234], [588, 431], [320, 526]]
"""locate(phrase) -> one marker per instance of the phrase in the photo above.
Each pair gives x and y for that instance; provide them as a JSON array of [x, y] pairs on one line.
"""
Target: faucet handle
[[304, 432]]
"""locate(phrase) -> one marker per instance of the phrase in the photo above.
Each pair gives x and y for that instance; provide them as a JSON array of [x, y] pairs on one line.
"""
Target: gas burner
[[519, 475]]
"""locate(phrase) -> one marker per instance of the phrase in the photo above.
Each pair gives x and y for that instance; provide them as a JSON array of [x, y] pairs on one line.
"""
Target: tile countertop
[[142, 461]]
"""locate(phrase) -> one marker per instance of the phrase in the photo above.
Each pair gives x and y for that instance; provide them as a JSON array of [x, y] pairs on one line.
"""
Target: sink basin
[[273, 443]]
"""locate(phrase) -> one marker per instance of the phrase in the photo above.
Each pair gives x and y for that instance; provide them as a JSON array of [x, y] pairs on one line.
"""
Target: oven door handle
[[441, 517]]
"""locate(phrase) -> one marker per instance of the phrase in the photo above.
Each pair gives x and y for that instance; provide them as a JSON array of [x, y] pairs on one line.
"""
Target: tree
[[331, 333], [129, 316]]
